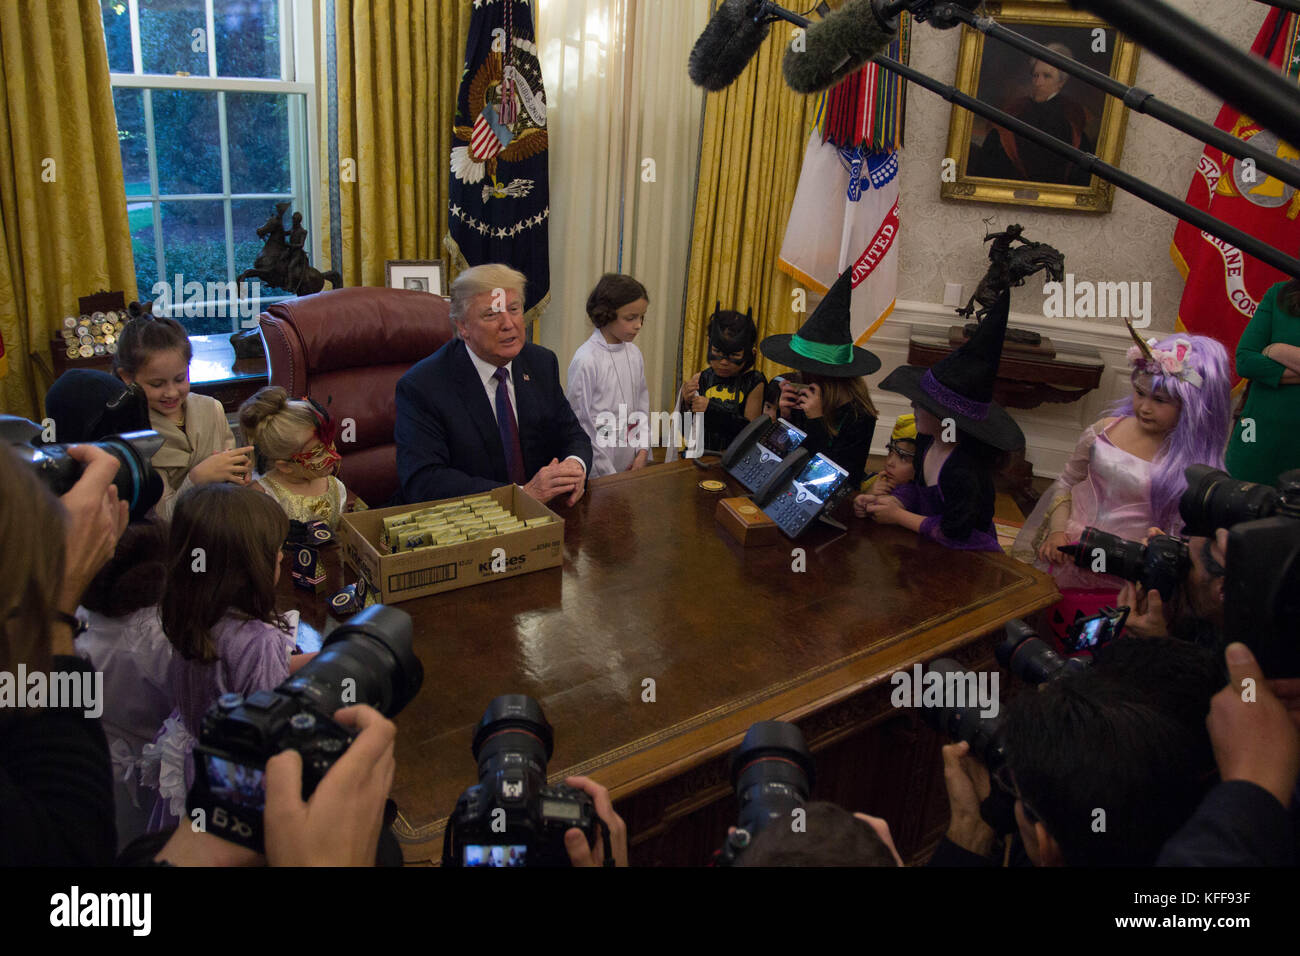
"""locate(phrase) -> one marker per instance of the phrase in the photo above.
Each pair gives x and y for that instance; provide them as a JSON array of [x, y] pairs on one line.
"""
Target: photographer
[[1244, 821], [1196, 613], [56, 796], [830, 836]]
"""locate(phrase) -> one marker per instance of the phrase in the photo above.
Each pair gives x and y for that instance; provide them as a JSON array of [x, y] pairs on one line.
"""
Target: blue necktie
[[509, 429]]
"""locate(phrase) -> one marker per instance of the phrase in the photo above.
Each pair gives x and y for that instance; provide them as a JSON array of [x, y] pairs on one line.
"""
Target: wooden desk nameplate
[[745, 521]]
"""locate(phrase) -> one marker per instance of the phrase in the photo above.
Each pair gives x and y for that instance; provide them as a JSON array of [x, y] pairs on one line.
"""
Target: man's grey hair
[[479, 279]]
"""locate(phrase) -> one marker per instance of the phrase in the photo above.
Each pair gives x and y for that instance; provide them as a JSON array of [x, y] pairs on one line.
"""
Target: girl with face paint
[[296, 440]]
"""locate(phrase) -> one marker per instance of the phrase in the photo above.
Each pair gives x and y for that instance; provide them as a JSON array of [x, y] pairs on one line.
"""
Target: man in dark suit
[[487, 409]]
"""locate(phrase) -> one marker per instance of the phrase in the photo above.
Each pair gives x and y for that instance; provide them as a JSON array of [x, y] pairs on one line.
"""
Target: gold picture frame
[[990, 165]]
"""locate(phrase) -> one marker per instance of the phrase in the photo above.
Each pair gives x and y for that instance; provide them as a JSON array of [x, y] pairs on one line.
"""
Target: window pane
[[167, 40], [258, 127], [129, 106], [140, 217], [248, 38], [117, 35], [188, 142], [194, 241]]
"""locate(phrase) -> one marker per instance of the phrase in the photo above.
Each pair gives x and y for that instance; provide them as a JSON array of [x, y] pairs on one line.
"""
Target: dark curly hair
[[612, 292]]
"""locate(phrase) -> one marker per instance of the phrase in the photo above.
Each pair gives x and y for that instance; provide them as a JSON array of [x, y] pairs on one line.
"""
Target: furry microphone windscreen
[[835, 47], [726, 46]]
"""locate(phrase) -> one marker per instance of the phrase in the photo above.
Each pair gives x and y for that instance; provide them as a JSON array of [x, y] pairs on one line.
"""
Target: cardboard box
[[416, 574]]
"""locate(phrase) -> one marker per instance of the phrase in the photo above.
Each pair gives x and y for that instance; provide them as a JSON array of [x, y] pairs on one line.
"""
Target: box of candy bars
[[413, 551]]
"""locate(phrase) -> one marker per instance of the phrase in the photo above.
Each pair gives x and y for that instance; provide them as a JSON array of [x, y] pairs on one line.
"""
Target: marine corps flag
[[499, 198], [1224, 285]]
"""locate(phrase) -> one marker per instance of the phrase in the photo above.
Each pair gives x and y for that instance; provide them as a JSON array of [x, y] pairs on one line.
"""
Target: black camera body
[[369, 660], [1159, 565], [137, 483], [1032, 659], [512, 817], [772, 772]]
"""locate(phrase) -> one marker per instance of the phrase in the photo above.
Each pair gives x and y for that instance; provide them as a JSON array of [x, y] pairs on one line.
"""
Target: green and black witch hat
[[824, 343]]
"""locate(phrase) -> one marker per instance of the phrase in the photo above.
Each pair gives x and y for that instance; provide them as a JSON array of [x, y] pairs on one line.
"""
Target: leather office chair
[[347, 348]]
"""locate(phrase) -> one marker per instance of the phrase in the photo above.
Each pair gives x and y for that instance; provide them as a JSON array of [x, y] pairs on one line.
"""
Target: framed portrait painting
[[417, 274], [995, 165]]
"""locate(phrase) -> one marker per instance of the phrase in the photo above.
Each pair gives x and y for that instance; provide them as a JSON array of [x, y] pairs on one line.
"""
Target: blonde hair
[[274, 424], [480, 279], [837, 392]]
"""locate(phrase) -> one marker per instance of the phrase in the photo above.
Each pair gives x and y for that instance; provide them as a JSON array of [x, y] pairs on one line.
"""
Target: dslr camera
[[137, 483], [772, 772], [1262, 583], [368, 660], [1159, 565], [511, 817]]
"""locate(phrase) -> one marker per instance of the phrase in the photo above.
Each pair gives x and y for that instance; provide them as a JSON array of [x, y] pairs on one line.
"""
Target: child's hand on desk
[[860, 505], [883, 509]]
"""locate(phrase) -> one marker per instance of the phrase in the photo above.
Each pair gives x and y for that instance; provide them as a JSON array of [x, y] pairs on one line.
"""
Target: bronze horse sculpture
[[283, 264]]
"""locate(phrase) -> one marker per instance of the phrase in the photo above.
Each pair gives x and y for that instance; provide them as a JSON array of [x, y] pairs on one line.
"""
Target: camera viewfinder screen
[[236, 783], [477, 854], [782, 438]]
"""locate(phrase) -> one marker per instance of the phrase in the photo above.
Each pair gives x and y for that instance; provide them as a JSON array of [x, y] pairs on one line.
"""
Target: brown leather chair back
[[347, 348]]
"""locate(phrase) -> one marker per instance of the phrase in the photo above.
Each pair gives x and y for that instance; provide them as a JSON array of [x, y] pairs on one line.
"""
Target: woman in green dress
[[1266, 442]]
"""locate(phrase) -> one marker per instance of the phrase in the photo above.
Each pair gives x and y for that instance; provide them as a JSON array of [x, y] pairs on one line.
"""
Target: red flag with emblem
[[1224, 285]]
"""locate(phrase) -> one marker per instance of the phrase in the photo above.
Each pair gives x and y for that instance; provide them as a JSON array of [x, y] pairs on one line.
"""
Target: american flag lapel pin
[[526, 378]]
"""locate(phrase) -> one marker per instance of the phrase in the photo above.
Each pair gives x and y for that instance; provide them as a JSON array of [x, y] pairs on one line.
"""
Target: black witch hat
[[960, 385], [824, 344]]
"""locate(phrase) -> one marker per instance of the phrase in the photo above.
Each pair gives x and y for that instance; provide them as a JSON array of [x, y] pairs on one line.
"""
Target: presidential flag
[[498, 202], [1224, 285]]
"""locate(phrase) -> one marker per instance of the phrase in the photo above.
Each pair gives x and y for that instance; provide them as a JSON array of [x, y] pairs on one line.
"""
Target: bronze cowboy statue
[[283, 263]]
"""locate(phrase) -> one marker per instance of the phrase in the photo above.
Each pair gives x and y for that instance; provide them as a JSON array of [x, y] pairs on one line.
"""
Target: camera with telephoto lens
[[137, 482], [1261, 588], [368, 660], [958, 723], [511, 817], [1159, 565], [772, 772], [1031, 658]]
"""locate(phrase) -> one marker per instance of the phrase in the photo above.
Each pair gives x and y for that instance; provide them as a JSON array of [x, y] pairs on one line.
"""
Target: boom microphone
[[837, 46], [728, 43]]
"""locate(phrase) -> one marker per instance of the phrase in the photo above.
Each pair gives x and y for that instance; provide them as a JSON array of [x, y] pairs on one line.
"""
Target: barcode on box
[[409, 580]]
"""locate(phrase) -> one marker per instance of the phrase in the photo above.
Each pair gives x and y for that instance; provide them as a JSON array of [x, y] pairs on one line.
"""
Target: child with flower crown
[[1126, 473]]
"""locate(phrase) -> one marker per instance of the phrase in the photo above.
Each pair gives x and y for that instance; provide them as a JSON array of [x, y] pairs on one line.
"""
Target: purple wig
[[1204, 421]]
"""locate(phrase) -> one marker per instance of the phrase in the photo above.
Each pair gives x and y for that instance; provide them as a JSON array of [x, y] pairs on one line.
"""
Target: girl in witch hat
[[729, 392], [961, 437], [831, 403]]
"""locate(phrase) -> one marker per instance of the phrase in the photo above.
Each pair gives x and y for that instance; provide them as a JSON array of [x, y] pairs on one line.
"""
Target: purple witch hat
[[960, 385]]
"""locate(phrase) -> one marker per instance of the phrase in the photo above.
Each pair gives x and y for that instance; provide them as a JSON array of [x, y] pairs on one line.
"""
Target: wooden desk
[[652, 588]]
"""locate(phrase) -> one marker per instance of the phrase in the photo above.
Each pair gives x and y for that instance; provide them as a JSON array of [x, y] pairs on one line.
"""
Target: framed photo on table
[[994, 165], [417, 274]]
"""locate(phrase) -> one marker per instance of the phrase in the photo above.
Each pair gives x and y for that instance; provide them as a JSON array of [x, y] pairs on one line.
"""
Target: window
[[215, 103]]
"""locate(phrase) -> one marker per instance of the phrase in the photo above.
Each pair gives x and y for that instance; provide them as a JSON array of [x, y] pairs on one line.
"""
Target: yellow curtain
[[63, 225], [755, 132], [397, 66]]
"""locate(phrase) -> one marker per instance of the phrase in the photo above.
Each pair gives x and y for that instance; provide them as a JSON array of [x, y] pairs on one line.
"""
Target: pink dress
[[1107, 488]]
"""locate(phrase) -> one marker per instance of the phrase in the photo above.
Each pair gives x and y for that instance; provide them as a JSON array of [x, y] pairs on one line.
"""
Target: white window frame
[[298, 63]]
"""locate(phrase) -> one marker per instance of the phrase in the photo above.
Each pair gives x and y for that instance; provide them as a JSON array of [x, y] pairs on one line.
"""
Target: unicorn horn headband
[[1175, 362]]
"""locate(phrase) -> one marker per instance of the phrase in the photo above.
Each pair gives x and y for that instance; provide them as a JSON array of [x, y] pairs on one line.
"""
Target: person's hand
[[860, 504], [967, 782], [1254, 739], [1151, 533], [1146, 616], [557, 478], [640, 461], [340, 824], [810, 402], [884, 484], [884, 509], [700, 403], [235, 466], [881, 826], [1287, 690], [1051, 548], [691, 389], [789, 399], [96, 519], [575, 841]]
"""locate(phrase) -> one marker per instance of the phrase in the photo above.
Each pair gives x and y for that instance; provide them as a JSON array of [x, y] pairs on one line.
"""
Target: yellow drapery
[[754, 136], [63, 224], [398, 68]]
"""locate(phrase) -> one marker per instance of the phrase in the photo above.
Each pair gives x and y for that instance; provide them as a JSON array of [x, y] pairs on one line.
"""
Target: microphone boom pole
[[1240, 79], [1136, 99], [1131, 184]]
